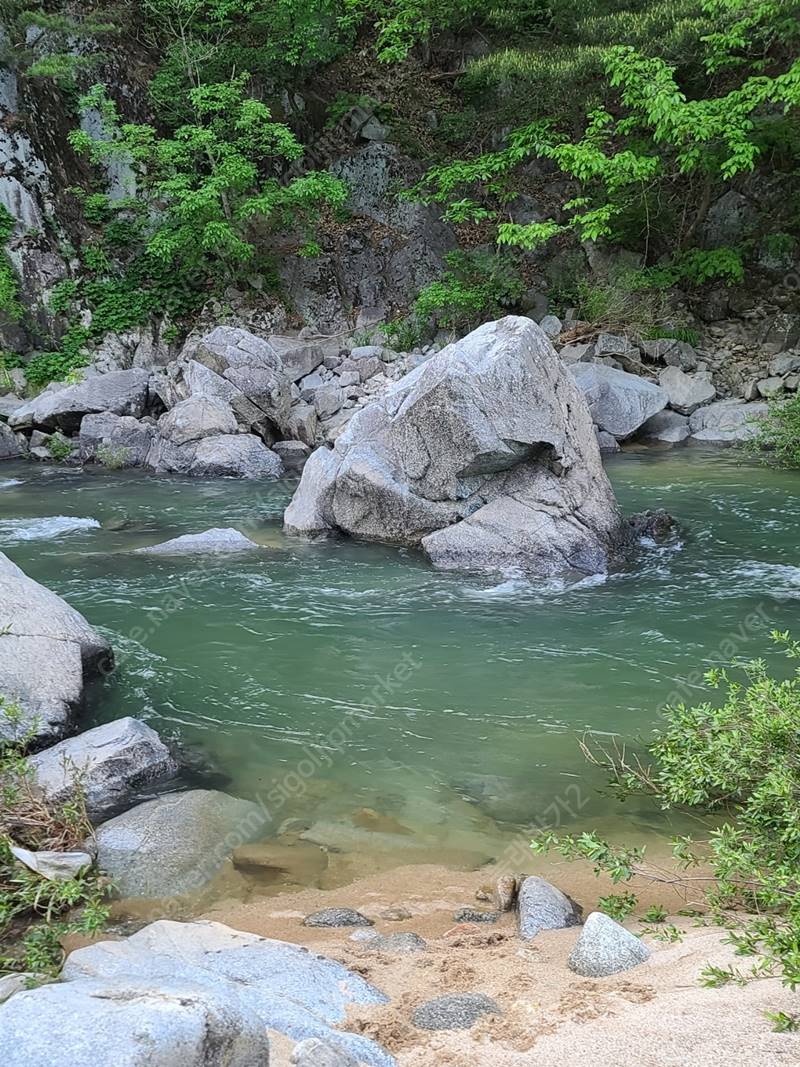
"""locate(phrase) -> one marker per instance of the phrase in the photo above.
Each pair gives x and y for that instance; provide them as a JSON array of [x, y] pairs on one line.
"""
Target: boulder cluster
[[231, 404]]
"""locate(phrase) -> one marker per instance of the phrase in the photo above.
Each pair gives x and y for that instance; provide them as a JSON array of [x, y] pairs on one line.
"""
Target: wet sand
[[657, 1015]]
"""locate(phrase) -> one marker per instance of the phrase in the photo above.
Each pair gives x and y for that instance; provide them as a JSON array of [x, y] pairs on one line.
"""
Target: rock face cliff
[[485, 456]]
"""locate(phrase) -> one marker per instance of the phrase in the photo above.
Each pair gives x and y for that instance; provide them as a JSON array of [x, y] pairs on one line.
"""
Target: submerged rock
[[282, 986], [108, 764], [543, 907], [48, 652], [337, 917], [216, 541], [604, 947], [174, 844], [485, 456], [455, 1011]]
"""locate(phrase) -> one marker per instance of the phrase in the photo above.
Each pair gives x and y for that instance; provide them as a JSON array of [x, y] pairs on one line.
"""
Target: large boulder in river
[[10, 447], [199, 437], [117, 440], [284, 986], [727, 422], [107, 764], [484, 455], [122, 392], [131, 1023], [619, 402], [48, 652], [174, 844]]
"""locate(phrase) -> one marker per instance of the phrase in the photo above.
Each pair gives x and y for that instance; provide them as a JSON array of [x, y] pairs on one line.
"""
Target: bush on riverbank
[[779, 432], [737, 763], [37, 912]]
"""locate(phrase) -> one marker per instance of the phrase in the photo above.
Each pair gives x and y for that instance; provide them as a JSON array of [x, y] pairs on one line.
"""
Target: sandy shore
[[654, 1016]]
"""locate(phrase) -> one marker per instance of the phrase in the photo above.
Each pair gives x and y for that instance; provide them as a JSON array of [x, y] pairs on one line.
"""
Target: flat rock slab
[[284, 986], [122, 392], [726, 422], [109, 762], [456, 1011], [544, 907], [337, 917], [131, 1023], [604, 947], [215, 542], [174, 844]]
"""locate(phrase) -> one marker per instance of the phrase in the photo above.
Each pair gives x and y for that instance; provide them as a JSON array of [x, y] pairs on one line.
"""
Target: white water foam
[[6, 483], [44, 528]]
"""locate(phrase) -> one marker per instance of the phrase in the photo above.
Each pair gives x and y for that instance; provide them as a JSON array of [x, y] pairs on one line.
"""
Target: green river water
[[330, 678]]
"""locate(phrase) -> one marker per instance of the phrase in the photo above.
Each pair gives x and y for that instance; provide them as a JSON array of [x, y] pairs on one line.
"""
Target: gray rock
[[174, 844], [474, 915], [121, 392], [10, 446], [337, 917], [9, 404], [485, 455], [726, 422], [216, 541], [680, 354], [219, 456], [454, 1011], [604, 947], [120, 439], [686, 393], [543, 907], [605, 442], [551, 326], [396, 944], [619, 403], [297, 358], [367, 352], [235, 456], [770, 387], [730, 219], [131, 1023], [54, 866], [667, 426], [48, 652], [783, 363], [196, 418], [292, 454], [302, 423], [620, 349], [327, 400], [315, 1053], [286, 987], [580, 353], [231, 346], [111, 762], [14, 983]]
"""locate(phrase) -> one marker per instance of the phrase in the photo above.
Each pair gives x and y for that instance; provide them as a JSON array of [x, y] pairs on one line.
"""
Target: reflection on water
[[378, 704]]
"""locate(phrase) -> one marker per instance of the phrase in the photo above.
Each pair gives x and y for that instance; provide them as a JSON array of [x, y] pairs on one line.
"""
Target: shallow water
[[328, 679]]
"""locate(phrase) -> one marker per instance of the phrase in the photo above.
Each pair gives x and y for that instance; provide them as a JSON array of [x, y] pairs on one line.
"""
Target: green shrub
[[35, 913], [778, 433], [112, 458], [734, 762], [475, 287], [59, 447]]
